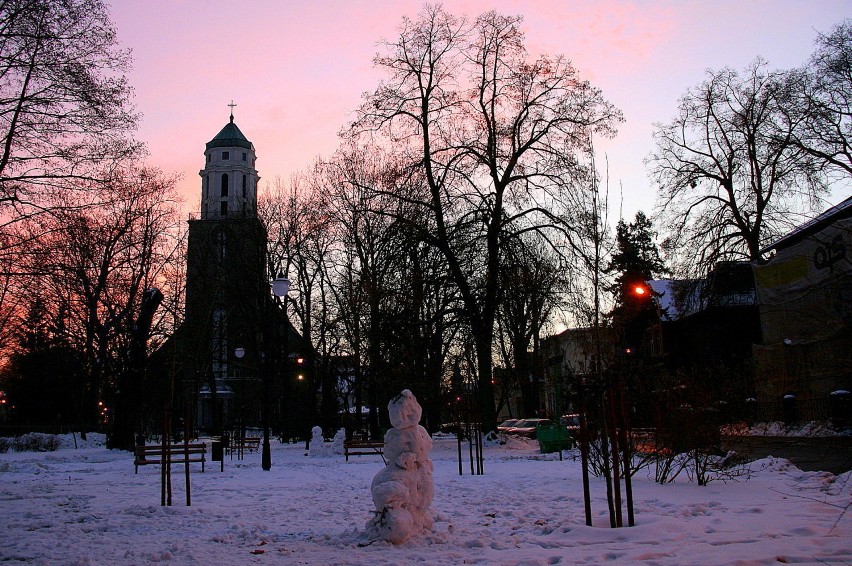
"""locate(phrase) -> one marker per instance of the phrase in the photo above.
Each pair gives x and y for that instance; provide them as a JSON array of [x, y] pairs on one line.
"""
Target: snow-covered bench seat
[[178, 454]]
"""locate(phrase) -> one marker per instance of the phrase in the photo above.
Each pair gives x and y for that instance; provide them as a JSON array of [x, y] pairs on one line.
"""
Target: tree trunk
[[487, 411]]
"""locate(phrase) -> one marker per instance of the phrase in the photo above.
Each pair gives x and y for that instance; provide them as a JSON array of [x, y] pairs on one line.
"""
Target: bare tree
[[821, 94], [372, 284], [9, 301], [95, 262], [727, 176], [300, 244], [490, 134], [64, 101], [534, 286], [169, 276]]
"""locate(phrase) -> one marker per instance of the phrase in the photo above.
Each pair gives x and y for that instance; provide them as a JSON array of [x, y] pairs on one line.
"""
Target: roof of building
[[664, 291], [230, 136], [811, 227], [730, 284]]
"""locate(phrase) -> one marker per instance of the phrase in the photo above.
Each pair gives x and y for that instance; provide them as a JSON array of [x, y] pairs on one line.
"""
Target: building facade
[[805, 296]]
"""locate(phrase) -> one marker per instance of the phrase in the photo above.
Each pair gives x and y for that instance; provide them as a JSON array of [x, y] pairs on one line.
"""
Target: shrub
[[35, 442]]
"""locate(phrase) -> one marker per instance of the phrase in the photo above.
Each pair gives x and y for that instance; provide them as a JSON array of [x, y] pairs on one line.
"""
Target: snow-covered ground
[[87, 507]]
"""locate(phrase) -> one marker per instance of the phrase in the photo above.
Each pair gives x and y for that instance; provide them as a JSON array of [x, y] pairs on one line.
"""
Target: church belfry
[[229, 180]]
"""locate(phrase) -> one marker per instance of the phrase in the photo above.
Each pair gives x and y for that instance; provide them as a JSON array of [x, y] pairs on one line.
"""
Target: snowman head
[[404, 410]]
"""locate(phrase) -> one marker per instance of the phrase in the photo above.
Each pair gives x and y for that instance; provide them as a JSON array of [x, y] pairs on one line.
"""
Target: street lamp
[[280, 285], [641, 291], [280, 288]]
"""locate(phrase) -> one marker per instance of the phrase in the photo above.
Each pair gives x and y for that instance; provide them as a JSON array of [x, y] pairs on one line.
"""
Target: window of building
[[220, 342], [224, 208], [244, 156], [224, 191], [220, 245], [244, 186], [226, 155], [208, 157]]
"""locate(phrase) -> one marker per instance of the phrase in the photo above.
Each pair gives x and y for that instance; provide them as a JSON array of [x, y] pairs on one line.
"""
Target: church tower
[[235, 362], [228, 300]]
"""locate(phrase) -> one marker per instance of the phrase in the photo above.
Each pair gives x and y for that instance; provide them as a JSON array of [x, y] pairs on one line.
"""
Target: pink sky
[[296, 69]]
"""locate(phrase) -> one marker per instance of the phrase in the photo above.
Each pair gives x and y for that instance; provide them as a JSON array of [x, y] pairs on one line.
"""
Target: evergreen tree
[[43, 377], [636, 261]]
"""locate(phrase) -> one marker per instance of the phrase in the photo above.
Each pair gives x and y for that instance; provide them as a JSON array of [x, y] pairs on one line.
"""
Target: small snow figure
[[402, 491], [317, 445], [338, 442]]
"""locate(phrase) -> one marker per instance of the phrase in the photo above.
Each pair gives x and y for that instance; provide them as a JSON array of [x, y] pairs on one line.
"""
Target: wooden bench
[[241, 446], [247, 444], [354, 447], [178, 454]]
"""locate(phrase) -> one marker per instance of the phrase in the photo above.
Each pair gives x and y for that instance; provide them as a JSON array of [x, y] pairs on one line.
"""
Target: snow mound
[[777, 428]]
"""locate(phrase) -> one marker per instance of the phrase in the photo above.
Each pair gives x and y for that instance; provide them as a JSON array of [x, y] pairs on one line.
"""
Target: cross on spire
[[232, 109]]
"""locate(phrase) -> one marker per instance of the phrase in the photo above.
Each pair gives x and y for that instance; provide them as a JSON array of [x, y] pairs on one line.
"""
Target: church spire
[[232, 110]]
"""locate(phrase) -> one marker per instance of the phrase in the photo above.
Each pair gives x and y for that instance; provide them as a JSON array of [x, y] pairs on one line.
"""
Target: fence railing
[[792, 410]]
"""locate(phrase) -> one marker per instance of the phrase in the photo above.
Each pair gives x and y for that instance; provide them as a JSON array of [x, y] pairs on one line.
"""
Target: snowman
[[403, 490]]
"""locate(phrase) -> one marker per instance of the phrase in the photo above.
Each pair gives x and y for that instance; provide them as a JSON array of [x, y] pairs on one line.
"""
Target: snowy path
[[87, 507]]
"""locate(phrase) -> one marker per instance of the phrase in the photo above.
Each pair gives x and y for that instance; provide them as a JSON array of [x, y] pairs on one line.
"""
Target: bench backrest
[[156, 449]]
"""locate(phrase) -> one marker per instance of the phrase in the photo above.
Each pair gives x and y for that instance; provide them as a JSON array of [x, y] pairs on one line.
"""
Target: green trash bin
[[553, 438]]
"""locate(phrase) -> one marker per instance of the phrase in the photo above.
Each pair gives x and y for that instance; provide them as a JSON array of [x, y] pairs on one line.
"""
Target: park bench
[[247, 444], [353, 447], [178, 454]]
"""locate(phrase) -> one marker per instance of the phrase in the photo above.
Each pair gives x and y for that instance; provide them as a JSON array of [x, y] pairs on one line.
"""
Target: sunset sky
[[297, 68]]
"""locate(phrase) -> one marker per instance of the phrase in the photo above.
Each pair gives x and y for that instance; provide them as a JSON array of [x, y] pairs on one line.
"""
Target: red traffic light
[[640, 290]]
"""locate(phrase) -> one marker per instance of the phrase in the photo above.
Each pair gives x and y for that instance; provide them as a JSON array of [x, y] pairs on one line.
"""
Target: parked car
[[507, 424], [571, 421], [528, 427]]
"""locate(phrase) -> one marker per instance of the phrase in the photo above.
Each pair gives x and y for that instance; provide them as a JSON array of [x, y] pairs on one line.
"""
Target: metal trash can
[[840, 402], [553, 438], [789, 414], [217, 452]]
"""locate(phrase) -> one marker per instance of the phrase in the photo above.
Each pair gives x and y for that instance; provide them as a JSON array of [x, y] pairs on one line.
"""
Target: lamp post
[[240, 434], [280, 288]]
